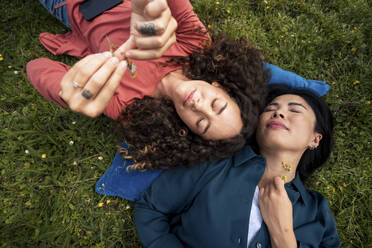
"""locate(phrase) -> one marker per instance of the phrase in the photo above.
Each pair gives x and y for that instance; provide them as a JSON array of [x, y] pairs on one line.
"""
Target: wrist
[[284, 238]]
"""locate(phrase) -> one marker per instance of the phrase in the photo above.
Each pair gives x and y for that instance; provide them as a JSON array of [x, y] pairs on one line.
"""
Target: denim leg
[[58, 9]]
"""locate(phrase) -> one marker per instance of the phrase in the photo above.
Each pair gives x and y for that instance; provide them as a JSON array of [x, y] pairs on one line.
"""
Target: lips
[[188, 97], [276, 125]]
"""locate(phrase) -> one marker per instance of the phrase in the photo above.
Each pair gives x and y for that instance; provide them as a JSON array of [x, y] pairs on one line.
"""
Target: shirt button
[[258, 245]]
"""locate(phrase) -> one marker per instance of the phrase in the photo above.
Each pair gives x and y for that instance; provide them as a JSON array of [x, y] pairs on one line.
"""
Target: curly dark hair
[[158, 138]]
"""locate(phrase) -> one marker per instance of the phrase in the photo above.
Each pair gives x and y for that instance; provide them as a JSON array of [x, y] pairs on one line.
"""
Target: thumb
[[120, 53], [278, 183]]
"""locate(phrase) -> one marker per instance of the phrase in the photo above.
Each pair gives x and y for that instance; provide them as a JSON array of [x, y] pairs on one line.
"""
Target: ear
[[216, 84], [316, 140]]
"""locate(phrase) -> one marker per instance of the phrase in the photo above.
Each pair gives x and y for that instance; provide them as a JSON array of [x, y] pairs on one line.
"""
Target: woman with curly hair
[[255, 198], [199, 101]]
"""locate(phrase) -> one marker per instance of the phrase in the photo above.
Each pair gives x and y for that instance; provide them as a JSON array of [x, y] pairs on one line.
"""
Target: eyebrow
[[289, 104], [207, 127], [296, 104]]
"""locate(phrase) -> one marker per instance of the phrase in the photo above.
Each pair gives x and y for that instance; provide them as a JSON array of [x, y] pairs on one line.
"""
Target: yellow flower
[[368, 102], [228, 11], [353, 49], [356, 82], [108, 201], [43, 155], [217, 3], [1, 58], [103, 185], [345, 185], [333, 190], [100, 204], [216, 8], [209, 25], [75, 163]]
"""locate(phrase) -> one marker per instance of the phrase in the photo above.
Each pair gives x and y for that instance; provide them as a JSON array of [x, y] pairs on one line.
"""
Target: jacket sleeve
[[190, 33], [168, 196], [330, 238], [46, 75], [321, 233]]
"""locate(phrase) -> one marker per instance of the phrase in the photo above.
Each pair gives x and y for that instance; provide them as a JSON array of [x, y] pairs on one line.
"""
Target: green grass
[[51, 201]]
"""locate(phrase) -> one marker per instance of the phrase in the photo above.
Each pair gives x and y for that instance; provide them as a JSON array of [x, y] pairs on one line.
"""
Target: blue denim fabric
[[60, 13]]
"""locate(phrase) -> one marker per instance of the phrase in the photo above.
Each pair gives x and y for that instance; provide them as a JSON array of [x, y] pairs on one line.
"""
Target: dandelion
[[43, 155], [217, 3], [75, 163], [100, 204], [284, 178], [216, 8], [333, 190], [355, 28], [27, 151], [108, 201], [16, 72], [356, 82], [100, 158], [209, 25], [287, 166], [103, 185], [1, 57], [228, 11], [71, 142], [353, 49], [368, 102]]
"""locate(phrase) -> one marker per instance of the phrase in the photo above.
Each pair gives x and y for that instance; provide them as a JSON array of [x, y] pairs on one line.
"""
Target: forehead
[[287, 98]]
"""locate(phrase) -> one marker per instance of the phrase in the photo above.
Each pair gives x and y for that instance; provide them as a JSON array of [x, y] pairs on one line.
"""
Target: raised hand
[[152, 31], [276, 211], [89, 85]]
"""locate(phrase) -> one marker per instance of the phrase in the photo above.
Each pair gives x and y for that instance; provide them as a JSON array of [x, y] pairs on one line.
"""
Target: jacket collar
[[244, 155], [296, 189]]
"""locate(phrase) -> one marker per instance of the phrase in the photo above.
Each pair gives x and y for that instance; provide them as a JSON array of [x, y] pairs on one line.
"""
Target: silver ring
[[76, 84]]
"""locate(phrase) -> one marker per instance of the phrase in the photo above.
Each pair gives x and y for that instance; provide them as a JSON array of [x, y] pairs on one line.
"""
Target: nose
[[278, 114], [202, 106]]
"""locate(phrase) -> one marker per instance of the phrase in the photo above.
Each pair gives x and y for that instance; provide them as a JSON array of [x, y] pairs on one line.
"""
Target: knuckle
[[158, 42], [92, 112], [96, 83], [75, 107]]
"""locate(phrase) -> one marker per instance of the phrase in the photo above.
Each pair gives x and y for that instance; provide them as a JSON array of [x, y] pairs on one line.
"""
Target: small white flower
[[73, 123], [100, 158], [16, 72], [127, 207], [71, 142], [27, 151]]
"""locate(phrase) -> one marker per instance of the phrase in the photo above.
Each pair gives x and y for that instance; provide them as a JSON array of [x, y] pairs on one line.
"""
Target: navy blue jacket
[[209, 206]]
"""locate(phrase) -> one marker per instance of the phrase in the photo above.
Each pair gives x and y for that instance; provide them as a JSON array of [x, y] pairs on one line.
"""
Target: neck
[[274, 165], [166, 87]]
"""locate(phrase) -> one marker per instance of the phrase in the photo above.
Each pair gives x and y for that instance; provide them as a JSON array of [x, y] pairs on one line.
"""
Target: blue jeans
[[58, 9]]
